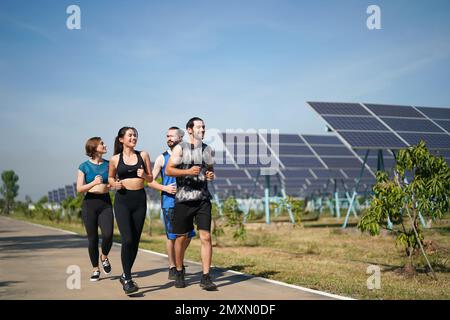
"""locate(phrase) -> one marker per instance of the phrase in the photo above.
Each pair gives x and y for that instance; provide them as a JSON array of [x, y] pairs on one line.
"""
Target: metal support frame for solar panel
[[386, 127]]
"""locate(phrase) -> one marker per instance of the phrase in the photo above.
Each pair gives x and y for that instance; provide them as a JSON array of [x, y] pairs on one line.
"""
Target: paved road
[[34, 261]]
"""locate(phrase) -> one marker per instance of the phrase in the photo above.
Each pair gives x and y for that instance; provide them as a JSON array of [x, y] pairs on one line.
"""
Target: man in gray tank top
[[191, 163]]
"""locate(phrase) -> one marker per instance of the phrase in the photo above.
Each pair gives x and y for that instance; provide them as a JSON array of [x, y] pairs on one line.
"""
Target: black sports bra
[[125, 171]]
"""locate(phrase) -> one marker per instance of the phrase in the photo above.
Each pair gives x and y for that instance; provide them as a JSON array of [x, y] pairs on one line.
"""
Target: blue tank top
[[167, 200], [91, 170]]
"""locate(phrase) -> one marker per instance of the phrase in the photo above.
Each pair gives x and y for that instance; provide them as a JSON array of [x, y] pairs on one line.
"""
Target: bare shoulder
[[178, 150], [145, 154], [114, 159], [160, 160]]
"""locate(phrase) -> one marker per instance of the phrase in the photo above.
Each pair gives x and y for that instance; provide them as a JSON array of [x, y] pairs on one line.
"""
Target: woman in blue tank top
[[97, 208]]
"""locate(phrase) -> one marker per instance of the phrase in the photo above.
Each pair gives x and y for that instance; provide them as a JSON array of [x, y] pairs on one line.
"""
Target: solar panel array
[[60, 194], [301, 164], [306, 163], [377, 126]]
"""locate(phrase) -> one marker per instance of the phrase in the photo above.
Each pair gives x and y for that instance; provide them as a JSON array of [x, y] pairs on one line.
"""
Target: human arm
[[116, 184], [176, 159], [141, 173], [82, 187], [208, 156], [157, 167]]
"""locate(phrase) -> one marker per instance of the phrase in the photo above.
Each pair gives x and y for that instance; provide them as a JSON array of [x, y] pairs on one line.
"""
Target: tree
[[9, 189], [72, 207], [297, 207], [42, 200], [427, 192], [235, 218]]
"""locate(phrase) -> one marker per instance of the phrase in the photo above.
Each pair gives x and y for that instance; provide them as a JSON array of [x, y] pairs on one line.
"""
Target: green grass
[[318, 255]]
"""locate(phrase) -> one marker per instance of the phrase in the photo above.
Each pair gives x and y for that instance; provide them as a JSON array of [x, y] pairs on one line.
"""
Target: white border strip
[[326, 294], [335, 296]]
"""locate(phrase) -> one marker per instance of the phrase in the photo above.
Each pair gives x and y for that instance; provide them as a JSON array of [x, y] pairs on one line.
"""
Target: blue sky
[[237, 64]]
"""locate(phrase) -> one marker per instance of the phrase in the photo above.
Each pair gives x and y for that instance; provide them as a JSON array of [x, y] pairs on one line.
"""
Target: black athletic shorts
[[185, 212]]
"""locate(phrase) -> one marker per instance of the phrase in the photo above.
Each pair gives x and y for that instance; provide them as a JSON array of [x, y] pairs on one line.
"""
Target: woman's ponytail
[[118, 146]]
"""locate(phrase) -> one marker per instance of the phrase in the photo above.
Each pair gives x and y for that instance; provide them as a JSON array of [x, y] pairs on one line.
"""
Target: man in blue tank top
[[168, 190]]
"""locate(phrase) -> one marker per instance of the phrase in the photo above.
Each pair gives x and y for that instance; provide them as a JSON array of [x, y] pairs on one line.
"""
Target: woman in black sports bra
[[128, 169]]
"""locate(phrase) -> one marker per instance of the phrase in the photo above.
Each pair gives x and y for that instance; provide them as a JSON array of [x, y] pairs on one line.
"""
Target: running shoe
[[207, 284], [95, 275], [106, 266]]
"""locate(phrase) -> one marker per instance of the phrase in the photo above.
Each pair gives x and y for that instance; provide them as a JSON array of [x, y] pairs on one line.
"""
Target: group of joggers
[[185, 169]]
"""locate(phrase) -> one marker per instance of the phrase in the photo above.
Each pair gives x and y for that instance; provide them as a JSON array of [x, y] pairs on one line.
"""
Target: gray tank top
[[194, 188]]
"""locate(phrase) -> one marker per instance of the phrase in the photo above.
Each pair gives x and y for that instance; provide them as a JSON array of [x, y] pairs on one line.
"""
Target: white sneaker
[[95, 275]]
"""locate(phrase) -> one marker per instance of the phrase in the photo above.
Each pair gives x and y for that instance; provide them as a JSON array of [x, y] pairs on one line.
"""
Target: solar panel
[[388, 163], [294, 187], [70, 192], [386, 126], [249, 149], [222, 166], [373, 140], [296, 191], [61, 194], [436, 141], [416, 125], [436, 113], [444, 124], [298, 159], [342, 162], [354, 173], [254, 172], [294, 150], [324, 173], [442, 153], [332, 151], [307, 162], [327, 108], [231, 138], [393, 111], [313, 139], [229, 173], [317, 184], [319, 181], [297, 173], [373, 154], [56, 196], [222, 159], [284, 139], [245, 161], [245, 183], [355, 123], [295, 182]]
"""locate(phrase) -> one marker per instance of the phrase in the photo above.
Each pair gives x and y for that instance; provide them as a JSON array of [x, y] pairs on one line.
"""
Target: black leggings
[[130, 208], [97, 211]]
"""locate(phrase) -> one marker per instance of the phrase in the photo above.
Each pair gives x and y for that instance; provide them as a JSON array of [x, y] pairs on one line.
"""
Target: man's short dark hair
[[179, 131], [190, 123]]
